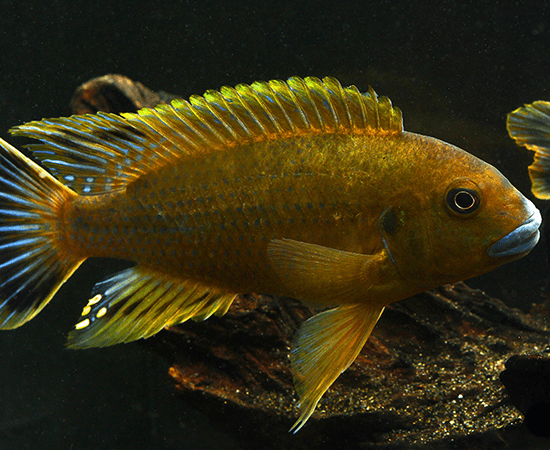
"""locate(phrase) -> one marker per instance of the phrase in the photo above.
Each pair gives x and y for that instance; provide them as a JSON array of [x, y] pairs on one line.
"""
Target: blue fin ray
[[33, 263], [100, 153], [139, 302]]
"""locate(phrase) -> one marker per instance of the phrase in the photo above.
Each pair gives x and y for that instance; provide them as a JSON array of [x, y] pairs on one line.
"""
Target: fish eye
[[463, 200]]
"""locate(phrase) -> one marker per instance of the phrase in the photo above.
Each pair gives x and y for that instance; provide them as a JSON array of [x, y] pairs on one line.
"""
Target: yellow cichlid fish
[[301, 188], [530, 126]]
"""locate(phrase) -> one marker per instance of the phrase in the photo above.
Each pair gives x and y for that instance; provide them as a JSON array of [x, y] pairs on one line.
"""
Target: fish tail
[[530, 126], [34, 260]]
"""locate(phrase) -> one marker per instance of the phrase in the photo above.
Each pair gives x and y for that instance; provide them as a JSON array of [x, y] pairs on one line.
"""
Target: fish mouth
[[521, 240]]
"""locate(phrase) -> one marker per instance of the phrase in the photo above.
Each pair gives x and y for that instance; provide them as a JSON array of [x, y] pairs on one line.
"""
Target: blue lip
[[521, 240]]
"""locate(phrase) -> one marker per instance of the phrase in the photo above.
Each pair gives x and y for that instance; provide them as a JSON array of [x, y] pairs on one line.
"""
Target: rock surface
[[428, 374]]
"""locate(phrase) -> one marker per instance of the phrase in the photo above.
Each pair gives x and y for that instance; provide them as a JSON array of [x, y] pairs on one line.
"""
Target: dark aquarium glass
[[455, 69]]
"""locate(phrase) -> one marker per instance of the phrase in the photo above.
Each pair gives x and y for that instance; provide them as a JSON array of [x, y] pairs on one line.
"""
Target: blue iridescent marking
[[81, 167], [16, 199], [21, 257], [21, 243], [19, 228], [18, 213]]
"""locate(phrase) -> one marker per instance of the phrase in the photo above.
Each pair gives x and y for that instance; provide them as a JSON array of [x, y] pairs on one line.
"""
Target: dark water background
[[455, 68]]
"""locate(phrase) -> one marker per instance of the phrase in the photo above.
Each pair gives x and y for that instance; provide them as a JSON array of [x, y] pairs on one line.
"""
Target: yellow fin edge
[[94, 154], [139, 302], [529, 126], [325, 346]]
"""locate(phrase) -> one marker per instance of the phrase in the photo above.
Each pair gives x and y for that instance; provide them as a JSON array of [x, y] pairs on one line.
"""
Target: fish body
[[214, 222], [302, 189]]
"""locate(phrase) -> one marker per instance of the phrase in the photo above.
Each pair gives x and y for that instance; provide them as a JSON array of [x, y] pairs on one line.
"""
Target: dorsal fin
[[93, 154]]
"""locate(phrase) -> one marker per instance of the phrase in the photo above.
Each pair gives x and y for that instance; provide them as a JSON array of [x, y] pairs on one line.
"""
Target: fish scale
[[202, 212], [303, 189]]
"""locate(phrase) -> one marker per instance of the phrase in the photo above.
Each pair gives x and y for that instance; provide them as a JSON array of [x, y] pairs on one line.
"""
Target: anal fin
[[139, 302], [324, 347]]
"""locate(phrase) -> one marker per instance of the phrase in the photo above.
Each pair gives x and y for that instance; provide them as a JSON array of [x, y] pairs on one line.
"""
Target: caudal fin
[[33, 262], [530, 126]]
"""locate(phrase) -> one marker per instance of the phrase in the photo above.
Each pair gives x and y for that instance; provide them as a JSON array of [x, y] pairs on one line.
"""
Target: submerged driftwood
[[429, 374], [116, 94]]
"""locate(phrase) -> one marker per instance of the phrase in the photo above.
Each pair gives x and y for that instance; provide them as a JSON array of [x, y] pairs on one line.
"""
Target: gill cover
[[434, 239], [405, 238]]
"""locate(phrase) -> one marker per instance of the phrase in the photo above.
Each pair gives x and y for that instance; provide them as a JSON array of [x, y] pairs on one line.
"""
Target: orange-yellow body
[[211, 218], [302, 189]]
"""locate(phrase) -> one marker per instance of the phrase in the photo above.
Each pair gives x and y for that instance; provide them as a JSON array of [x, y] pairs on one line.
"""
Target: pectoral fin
[[324, 347], [320, 275]]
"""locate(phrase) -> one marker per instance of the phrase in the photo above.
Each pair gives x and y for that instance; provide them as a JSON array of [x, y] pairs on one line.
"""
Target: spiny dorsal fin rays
[[305, 98], [337, 97], [282, 100], [168, 121], [225, 110], [259, 123], [94, 154]]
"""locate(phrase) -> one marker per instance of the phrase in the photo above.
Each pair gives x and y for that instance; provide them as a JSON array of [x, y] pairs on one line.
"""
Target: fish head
[[459, 227]]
